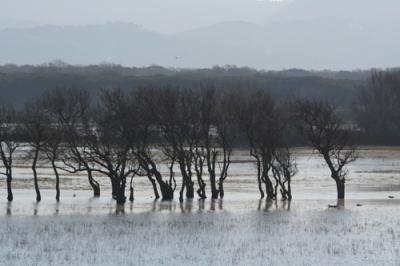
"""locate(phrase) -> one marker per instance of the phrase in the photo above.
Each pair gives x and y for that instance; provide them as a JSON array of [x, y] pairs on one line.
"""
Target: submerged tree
[[110, 140], [283, 169], [328, 135], [8, 144], [34, 124], [226, 129], [264, 124], [145, 147], [259, 119], [69, 108], [54, 150], [172, 113]]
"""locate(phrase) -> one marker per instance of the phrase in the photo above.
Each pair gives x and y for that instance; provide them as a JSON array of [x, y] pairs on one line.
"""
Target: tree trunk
[[289, 191], [154, 184], [186, 181], [340, 185], [190, 189], [94, 184], [131, 198], [202, 188], [57, 180], [221, 189], [269, 188], [166, 190], [259, 178], [182, 191], [35, 179], [214, 191], [120, 197], [10, 196], [211, 161], [114, 189]]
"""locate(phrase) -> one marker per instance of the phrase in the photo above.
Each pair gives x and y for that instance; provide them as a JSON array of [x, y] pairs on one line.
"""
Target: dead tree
[[196, 139], [225, 135], [215, 131], [328, 135], [34, 125], [145, 137], [8, 144], [283, 169], [205, 144], [69, 109], [53, 150], [110, 141], [199, 158], [259, 119], [171, 111]]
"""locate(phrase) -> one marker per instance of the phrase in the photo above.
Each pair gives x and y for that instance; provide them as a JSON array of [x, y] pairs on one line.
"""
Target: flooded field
[[240, 230], [299, 237], [373, 180]]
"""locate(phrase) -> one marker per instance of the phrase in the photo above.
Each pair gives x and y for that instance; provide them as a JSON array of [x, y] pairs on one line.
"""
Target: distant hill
[[308, 34], [323, 43]]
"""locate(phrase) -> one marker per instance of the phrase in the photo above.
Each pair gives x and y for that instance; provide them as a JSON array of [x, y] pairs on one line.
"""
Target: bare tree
[[145, 146], [283, 169], [328, 135], [69, 108], [53, 149], [8, 144], [34, 124], [172, 113], [110, 140], [226, 128], [217, 127], [259, 119]]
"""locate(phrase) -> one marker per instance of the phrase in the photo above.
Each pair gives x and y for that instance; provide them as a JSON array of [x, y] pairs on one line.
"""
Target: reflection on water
[[269, 205], [96, 206], [187, 206], [93, 207], [8, 213], [35, 208], [57, 208]]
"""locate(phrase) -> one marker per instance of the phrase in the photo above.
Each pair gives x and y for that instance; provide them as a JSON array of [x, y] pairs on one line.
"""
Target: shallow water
[[372, 179], [306, 237]]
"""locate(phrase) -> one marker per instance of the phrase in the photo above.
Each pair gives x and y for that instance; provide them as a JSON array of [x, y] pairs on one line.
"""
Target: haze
[[312, 34], [158, 15]]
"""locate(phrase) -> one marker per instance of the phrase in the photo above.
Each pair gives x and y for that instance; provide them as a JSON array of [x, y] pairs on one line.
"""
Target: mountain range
[[306, 34]]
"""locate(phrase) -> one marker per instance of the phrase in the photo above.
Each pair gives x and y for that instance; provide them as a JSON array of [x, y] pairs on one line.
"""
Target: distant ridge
[[306, 34]]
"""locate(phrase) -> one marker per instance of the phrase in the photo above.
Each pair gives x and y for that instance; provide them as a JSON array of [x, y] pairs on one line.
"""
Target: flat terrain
[[240, 230], [276, 237]]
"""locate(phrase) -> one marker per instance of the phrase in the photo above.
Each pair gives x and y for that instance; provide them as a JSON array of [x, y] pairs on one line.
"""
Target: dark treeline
[[19, 84], [377, 109], [192, 131]]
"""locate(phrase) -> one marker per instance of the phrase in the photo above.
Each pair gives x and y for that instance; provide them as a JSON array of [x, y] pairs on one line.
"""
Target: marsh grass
[[307, 237]]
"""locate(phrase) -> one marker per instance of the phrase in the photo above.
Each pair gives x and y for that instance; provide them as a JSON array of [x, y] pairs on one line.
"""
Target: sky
[[265, 34], [159, 15]]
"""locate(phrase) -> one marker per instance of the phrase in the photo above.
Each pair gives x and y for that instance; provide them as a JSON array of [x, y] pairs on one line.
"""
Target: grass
[[306, 237]]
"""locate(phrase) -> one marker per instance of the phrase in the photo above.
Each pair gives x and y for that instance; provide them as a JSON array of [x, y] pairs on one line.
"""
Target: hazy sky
[[313, 34], [160, 15]]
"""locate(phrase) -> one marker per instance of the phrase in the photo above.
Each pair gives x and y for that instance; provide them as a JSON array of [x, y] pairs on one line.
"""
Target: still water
[[373, 182]]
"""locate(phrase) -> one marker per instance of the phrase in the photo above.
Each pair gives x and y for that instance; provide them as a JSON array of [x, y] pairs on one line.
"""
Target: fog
[[163, 16], [263, 34]]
